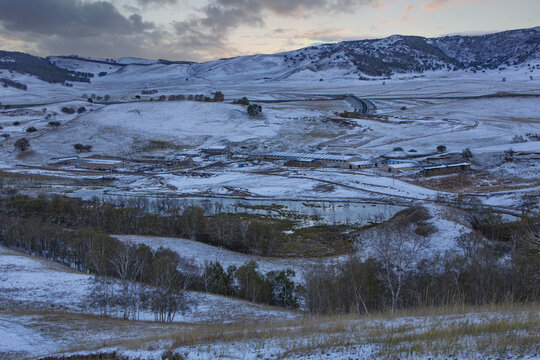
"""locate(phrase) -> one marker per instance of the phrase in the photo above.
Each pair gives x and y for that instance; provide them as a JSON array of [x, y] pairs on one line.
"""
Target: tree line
[[482, 269], [237, 232]]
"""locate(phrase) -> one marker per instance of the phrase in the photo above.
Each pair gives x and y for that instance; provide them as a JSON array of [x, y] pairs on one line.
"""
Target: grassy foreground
[[495, 331]]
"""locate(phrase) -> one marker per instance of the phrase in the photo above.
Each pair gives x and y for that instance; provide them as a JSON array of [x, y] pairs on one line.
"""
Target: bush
[[102, 73], [22, 144], [466, 154], [254, 110], [397, 149], [16, 123], [68, 110], [243, 101], [81, 110], [219, 97], [31, 129], [5, 136], [82, 148], [54, 123], [441, 148]]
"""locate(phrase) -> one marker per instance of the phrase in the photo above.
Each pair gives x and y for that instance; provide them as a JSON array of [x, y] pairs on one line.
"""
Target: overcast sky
[[210, 29]]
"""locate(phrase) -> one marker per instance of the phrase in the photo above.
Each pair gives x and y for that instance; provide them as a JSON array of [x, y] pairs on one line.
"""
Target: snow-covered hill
[[372, 58]]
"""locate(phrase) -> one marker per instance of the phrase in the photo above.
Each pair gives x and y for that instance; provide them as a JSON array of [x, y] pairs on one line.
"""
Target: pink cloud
[[379, 5], [436, 5], [409, 8], [384, 22]]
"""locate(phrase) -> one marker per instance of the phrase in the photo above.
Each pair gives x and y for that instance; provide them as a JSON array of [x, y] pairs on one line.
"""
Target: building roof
[[442, 166], [291, 155], [360, 163], [98, 161], [403, 165]]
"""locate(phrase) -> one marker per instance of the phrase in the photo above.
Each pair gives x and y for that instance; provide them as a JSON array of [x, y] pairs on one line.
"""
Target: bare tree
[[398, 250]]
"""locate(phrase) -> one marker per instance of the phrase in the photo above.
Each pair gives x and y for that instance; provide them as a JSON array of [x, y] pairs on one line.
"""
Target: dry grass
[[492, 330]]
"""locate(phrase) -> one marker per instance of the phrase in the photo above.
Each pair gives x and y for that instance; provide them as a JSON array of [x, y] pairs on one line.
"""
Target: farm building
[[98, 164], [218, 157], [323, 158], [443, 169], [399, 167], [216, 150], [303, 163], [359, 165]]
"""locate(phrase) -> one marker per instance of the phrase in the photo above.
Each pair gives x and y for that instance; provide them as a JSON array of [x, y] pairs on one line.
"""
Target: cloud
[[379, 5], [109, 28], [74, 26], [209, 31], [148, 3], [409, 8], [69, 18], [436, 5]]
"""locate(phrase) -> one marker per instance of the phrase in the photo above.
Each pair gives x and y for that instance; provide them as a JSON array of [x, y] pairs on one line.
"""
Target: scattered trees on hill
[[14, 84], [41, 68]]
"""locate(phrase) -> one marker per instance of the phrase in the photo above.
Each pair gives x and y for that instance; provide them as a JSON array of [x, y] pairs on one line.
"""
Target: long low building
[[443, 169], [299, 156]]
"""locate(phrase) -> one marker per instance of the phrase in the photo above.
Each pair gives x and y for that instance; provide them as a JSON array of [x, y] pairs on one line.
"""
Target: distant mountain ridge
[[373, 58], [409, 54]]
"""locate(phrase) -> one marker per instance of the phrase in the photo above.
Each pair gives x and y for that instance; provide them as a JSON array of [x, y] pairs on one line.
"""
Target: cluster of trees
[[217, 97], [231, 231], [397, 276], [71, 110], [246, 282], [145, 279], [14, 84], [42, 68]]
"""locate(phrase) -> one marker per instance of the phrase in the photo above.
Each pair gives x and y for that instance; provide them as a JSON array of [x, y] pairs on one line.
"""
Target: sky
[[201, 30]]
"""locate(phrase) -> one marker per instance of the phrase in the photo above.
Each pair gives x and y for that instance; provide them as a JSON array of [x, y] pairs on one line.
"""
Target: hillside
[[43, 69], [396, 54]]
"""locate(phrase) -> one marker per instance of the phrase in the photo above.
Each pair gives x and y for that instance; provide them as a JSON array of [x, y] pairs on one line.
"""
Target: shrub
[[219, 97], [22, 144], [82, 148], [467, 154], [254, 110], [102, 73], [5, 136], [397, 149], [81, 110], [31, 129], [68, 110], [54, 123], [441, 148], [16, 123], [243, 101]]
